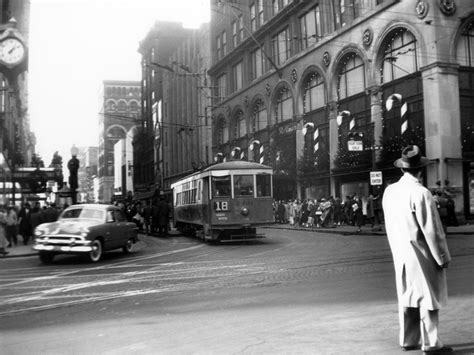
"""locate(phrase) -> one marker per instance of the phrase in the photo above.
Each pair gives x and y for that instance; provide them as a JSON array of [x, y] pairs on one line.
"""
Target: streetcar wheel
[[128, 247], [46, 258], [96, 252]]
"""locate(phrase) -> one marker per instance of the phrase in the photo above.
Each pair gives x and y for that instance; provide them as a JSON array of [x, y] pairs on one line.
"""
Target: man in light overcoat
[[420, 254]]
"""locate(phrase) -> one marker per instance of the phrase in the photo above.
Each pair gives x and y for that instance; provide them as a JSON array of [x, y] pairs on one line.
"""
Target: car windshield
[[87, 213]]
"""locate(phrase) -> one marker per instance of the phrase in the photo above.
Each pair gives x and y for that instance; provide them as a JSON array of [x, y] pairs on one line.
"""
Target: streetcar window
[[264, 185], [243, 185], [221, 186]]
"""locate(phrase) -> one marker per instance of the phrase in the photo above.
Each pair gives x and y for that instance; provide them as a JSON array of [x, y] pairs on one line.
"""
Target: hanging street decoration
[[340, 116], [403, 110]]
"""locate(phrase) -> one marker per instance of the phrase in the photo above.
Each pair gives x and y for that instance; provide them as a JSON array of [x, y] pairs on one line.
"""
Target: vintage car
[[88, 229]]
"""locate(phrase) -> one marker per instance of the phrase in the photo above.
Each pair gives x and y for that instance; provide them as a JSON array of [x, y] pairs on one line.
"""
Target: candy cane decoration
[[316, 140], [262, 158], [403, 110]]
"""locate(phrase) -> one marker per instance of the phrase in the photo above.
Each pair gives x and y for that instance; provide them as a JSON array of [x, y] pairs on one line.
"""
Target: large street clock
[[12, 51]]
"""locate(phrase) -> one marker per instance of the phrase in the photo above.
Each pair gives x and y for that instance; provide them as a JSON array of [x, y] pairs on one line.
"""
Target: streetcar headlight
[[244, 211]]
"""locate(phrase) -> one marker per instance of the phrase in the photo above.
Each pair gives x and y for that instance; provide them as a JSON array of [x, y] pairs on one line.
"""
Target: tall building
[[88, 168], [328, 92], [119, 117], [17, 142], [175, 103]]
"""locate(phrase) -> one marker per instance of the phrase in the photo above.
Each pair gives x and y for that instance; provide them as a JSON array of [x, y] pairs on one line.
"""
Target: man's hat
[[411, 158]]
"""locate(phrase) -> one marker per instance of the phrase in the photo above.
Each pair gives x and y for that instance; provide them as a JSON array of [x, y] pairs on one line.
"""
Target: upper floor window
[[259, 116], [221, 87], [241, 34], [351, 76], [344, 11], [222, 131], [221, 45], [237, 76], [278, 5], [260, 13], [465, 46], [240, 128], [283, 105], [281, 49], [121, 106], [400, 56], [257, 63], [313, 97], [253, 17], [310, 27], [234, 33]]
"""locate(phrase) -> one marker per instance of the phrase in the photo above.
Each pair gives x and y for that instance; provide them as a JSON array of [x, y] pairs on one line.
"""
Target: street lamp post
[[73, 166]]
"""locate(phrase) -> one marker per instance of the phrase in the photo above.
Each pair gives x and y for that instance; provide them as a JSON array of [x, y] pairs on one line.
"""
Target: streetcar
[[224, 202]]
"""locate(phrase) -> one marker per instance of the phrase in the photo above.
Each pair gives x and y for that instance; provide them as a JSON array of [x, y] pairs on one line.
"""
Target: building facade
[[119, 117], [17, 142], [328, 92], [88, 167], [175, 100]]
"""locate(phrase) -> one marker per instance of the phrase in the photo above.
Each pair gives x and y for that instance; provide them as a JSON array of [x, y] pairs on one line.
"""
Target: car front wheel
[[128, 247], [96, 253]]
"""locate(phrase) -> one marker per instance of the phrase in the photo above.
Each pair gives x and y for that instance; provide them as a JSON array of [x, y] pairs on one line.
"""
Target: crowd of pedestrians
[[330, 212], [152, 217], [18, 224]]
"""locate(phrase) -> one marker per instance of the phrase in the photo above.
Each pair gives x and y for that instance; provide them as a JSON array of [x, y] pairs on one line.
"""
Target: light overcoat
[[418, 243]]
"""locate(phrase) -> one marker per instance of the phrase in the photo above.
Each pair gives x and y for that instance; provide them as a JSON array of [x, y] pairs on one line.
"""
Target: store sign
[[376, 178], [355, 146]]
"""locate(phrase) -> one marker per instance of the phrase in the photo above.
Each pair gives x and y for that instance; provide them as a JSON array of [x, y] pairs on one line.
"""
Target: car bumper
[[63, 248]]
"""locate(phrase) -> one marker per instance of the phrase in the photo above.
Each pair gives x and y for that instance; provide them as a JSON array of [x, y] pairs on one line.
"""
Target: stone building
[[119, 117], [328, 92], [17, 142], [175, 100]]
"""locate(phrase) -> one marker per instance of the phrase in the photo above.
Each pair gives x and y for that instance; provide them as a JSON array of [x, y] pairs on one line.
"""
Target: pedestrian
[[420, 254], [357, 213], [147, 216], [36, 216], [25, 226], [50, 214], [370, 210], [163, 215], [3, 238], [11, 226]]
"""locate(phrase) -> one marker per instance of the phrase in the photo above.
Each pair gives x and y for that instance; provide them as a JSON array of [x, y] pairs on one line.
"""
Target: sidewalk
[[27, 250]]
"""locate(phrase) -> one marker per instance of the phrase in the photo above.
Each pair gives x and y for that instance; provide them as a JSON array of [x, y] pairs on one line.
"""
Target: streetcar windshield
[[243, 185], [221, 186], [264, 187]]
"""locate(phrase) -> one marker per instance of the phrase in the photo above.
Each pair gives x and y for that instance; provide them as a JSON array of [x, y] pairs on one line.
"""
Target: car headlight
[[39, 232], [84, 231]]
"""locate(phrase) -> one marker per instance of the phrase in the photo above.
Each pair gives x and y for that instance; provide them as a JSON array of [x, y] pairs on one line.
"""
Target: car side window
[[110, 217]]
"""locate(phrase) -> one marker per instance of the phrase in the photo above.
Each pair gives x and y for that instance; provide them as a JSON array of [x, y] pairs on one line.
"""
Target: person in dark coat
[[163, 216], [25, 224], [357, 212], [50, 214], [147, 216]]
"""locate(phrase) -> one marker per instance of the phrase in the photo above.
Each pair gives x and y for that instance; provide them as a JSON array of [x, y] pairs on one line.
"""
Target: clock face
[[12, 51]]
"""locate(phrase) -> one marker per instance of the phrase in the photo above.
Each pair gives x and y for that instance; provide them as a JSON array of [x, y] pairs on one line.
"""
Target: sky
[[76, 44]]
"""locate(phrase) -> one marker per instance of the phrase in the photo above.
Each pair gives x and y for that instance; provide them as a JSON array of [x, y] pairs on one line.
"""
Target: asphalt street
[[295, 292]]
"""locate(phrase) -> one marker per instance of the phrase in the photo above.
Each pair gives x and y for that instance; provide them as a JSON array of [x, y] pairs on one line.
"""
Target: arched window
[[465, 46], [259, 116], [134, 106], [122, 106], [110, 105], [400, 56], [313, 96], [222, 131], [240, 124], [283, 105], [351, 76]]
